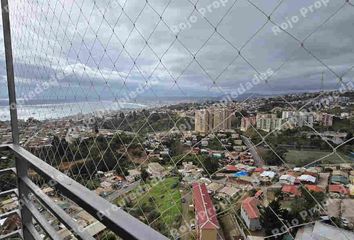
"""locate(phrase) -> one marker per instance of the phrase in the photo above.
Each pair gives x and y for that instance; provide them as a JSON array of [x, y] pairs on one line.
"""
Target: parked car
[[192, 226]]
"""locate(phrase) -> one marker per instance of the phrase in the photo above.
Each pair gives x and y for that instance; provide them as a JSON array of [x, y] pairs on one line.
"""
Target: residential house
[[214, 187], [290, 191], [287, 179], [337, 190], [228, 192], [266, 177], [339, 180], [314, 188], [308, 179], [134, 174], [156, 170], [245, 180], [250, 213]]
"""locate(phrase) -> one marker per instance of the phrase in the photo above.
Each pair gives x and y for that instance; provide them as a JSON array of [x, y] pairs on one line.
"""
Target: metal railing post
[[10, 70], [21, 166], [24, 196]]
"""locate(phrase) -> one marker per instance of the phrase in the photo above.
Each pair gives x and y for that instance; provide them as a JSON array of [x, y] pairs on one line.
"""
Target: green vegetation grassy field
[[160, 205], [301, 158], [167, 198]]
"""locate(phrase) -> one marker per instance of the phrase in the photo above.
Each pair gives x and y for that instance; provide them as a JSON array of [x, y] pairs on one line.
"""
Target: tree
[[274, 217], [92, 184], [176, 148], [297, 205], [211, 165], [312, 198], [310, 201], [215, 144], [154, 117], [269, 217], [109, 236], [252, 192], [253, 135], [144, 174], [275, 157]]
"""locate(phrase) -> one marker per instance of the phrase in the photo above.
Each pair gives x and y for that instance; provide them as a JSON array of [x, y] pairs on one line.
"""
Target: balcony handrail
[[16, 233], [114, 218]]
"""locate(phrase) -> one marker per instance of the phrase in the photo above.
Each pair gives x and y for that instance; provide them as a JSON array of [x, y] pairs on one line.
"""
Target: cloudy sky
[[95, 50]]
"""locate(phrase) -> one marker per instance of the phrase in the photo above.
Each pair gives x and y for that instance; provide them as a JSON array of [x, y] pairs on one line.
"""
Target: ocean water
[[61, 110]]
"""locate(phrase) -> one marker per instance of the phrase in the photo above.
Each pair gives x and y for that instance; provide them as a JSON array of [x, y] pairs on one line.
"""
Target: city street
[[116, 194], [258, 161]]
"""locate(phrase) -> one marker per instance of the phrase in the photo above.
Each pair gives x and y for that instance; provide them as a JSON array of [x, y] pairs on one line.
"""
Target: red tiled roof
[[338, 189], [258, 193], [231, 168], [250, 206], [292, 173], [310, 173], [120, 177], [314, 188], [196, 150], [204, 208], [292, 189]]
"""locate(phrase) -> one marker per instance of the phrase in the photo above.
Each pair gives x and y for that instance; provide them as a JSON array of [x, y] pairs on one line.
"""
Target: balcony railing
[[113, 218]]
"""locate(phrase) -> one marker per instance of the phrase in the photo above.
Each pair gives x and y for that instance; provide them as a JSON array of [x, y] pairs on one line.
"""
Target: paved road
[[116, 194], [257, 159]]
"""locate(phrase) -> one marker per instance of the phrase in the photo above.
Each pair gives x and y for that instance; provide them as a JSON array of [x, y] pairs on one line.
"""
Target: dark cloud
[[98, 50]]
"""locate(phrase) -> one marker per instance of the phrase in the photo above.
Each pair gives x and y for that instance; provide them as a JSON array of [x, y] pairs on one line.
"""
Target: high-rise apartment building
[[298, 119], [209, 120], [221, 119], [268, 122], [325, 119], [247, 122], [202, 120]]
